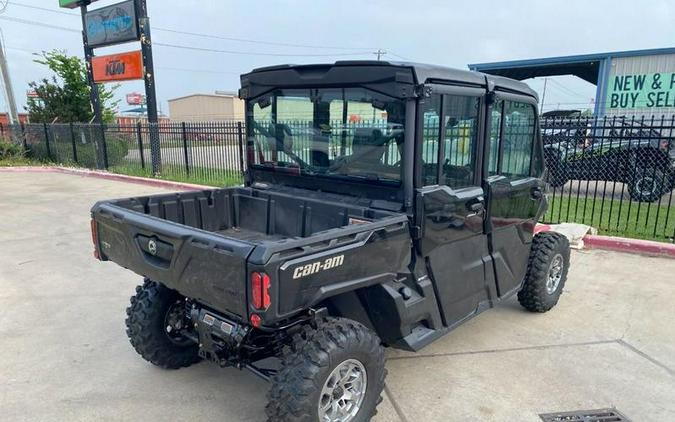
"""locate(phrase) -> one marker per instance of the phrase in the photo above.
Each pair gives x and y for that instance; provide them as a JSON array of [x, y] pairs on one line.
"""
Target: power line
[[568, 90], [213, 36], [212, 50], [42, 24]]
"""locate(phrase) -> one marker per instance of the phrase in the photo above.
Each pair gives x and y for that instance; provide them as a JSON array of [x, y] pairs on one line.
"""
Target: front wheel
[[154, 321], [546, 272], [332, 373]]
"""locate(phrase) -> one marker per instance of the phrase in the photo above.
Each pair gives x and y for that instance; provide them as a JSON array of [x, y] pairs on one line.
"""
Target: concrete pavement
[[65, 356]]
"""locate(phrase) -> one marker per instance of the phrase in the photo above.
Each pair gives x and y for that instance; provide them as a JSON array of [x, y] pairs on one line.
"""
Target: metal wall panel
[[642, 65]]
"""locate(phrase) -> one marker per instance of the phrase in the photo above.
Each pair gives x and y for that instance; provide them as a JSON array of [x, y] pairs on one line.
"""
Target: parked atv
[[387, 229]]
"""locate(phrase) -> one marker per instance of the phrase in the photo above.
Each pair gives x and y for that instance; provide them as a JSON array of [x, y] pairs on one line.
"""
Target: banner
[[118, 67], [641, 90]]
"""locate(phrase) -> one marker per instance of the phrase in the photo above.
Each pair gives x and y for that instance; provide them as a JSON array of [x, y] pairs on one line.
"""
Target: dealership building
[[629, 83], [221, 106]]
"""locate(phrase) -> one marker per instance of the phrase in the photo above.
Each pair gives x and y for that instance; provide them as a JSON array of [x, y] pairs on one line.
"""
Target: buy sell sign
[[118, 67], [641, 90]]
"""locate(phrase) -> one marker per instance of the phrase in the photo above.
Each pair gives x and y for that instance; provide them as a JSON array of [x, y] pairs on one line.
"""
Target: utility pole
[[7, 82], [543, 97], [379, 53]]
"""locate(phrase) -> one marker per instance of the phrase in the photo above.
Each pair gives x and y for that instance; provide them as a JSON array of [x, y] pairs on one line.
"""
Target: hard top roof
[[423, 73]]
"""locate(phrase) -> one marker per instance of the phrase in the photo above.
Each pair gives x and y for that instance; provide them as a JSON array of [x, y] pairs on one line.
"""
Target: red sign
[[135, 98], [118, 67]]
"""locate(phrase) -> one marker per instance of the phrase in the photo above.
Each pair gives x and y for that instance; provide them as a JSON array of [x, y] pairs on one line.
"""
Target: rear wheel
[[332, 373], [648, 184], [154, 321], [546, 272]]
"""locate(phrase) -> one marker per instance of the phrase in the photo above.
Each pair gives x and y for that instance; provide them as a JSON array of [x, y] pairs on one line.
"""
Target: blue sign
[[113, 24]]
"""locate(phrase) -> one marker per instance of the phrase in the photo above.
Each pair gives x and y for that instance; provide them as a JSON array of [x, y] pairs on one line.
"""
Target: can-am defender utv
[[384, 204]]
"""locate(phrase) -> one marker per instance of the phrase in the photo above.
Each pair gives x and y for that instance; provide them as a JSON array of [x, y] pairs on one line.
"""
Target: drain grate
[[599, 415]]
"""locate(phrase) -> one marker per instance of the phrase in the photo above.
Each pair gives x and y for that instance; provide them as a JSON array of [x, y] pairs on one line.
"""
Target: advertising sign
[[641, 90], [71, 4], [135, 98], [113, 24], [118, 67]]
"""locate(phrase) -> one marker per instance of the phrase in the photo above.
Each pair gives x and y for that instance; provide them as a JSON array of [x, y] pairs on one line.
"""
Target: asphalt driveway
[[64, 355]]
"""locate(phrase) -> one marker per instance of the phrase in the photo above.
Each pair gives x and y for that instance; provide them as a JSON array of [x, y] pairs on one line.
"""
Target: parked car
[[626, 152], [307, 272]]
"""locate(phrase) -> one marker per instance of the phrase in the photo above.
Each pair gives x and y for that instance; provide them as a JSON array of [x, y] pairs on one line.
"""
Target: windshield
[[341, 133]]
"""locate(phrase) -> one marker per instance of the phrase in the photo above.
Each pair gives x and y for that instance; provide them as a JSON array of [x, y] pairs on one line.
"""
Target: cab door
[[514, 186], [451, 200]]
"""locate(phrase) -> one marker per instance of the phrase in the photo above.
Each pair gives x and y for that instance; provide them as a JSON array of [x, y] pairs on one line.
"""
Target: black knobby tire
[[547, 248], [648, 184], [146, 329], [306, 364]]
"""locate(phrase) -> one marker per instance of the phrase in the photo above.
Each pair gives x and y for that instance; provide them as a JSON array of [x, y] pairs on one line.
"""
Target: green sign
[[641, 90], [72, 4]]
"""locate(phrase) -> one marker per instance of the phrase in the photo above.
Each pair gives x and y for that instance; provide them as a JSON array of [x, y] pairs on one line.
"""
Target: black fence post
[[73, 142], [49, 150], [139, 137], [240, 135], [185, 149], [23, 137], [105, 147]]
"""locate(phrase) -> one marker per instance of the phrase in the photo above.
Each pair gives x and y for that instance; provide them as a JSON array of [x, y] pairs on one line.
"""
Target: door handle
[[475, 206], [536, 193]]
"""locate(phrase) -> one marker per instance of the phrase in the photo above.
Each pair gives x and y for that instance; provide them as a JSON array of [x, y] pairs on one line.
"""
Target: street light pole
[[7, 82]]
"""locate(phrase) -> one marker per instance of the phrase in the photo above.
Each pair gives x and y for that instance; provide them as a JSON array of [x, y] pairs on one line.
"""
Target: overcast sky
[[451, 33]]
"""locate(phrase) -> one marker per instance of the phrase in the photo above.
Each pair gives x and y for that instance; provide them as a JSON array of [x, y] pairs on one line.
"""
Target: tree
[[65, 96]]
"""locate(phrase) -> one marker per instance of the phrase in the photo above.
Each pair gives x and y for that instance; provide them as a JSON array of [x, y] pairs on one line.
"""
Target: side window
[[430, 134], [518, 139], [517, 123], [495, 129], [454, 119], [460, 121]]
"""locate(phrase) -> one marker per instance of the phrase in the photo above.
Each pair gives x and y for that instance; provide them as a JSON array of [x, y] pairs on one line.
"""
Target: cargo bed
[[200, 243]]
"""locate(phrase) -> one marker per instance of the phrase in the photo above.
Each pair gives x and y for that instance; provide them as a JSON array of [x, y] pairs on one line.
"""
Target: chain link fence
[[616, 174], [613, 173]]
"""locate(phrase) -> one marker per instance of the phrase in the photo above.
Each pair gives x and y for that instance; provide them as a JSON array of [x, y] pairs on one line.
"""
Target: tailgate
[[196, 263]]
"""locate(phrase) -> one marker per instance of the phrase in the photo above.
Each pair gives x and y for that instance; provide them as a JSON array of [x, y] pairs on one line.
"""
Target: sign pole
[[93, 89], [88, 54], [151, 96]]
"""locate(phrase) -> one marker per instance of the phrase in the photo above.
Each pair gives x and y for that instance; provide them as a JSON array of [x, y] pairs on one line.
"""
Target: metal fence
[[195, 152], [615, 174]]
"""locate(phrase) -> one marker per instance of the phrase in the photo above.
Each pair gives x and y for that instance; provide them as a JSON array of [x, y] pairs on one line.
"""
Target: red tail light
[[260, 291], [94, 238]]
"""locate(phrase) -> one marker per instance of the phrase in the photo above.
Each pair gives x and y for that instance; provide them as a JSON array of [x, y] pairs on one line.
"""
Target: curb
[[610, 243], [159, 183], [622, 244]]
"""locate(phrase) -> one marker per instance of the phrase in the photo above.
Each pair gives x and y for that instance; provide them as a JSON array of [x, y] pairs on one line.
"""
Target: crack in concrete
[[511, 349], [639, 352], [619, 341], [397, 408]]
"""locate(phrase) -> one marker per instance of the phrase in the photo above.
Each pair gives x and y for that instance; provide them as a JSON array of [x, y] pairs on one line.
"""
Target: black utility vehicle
[[616, 151], [384, 204]]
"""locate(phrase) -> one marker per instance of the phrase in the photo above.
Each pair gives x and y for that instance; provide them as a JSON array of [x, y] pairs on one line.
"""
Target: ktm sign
[[118, 67]]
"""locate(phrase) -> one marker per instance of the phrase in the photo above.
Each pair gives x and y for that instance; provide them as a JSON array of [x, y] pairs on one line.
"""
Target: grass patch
[[197, 175], [640, 220], [21, 161]]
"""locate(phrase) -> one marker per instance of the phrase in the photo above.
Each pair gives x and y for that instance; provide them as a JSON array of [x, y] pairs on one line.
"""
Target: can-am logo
[[315, 267]]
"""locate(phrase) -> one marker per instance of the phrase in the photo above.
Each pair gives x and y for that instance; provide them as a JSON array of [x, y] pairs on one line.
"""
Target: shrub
[[10, 150]]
